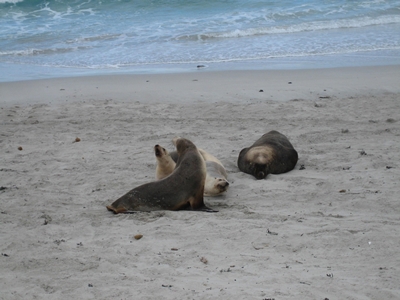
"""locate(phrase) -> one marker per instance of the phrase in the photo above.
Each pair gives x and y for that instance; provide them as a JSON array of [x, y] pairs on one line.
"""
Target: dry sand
[[329, 229]]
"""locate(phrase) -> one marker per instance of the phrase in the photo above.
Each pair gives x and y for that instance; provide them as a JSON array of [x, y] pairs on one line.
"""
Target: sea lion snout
[[260, 175], [260, 171], [159, 151], [223, 184]]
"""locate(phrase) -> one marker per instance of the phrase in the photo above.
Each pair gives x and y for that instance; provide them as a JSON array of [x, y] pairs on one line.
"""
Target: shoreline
[[237, 86], [378, 58]]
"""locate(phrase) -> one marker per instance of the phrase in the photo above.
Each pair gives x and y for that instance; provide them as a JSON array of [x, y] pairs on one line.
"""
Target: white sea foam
[[301, 27], [11, 1]]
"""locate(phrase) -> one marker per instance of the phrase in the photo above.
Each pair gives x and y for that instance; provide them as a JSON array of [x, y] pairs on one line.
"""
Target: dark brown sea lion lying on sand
[[270, 154]]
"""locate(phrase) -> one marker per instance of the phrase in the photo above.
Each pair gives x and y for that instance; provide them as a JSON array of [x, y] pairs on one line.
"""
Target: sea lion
[[216, 177], [165, 163], [216, 182], [183, 189], [272, 153]]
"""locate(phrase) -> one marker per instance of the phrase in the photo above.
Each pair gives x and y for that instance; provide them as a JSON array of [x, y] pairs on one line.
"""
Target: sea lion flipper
[[110, 208], [117, 210], [202, 208], [207, 209]]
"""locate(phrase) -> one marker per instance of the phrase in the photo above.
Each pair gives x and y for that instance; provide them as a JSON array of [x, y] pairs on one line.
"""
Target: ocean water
[[50, 38]]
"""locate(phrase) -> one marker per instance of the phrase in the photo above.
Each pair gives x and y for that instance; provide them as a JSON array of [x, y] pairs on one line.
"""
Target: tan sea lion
[[165, 163], [183, 189], [216, 178], [272, 153]]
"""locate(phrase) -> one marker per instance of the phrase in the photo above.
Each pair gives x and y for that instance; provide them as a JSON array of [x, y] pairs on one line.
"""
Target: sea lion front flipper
[[203, 208], [207, 209]]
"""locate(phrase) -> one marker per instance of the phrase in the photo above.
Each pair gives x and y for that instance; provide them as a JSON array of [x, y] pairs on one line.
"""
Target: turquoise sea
[[52, 38]]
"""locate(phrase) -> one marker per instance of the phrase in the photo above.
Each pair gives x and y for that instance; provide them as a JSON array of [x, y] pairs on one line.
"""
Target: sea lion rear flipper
[[110, 208], [118, 210]]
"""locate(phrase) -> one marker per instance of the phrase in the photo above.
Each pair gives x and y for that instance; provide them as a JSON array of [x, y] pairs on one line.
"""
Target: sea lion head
[[183, 145], [260, 171], [258, 160], [215, 186], [165, 163], [188, 152], [160, 151]]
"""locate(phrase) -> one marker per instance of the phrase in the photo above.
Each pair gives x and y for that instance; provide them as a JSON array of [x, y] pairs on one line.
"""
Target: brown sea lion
[[183, 189], [272, 153], [216, 177]]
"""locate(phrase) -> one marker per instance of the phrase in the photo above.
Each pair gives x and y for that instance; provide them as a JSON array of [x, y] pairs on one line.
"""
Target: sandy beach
[[329, 229]]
